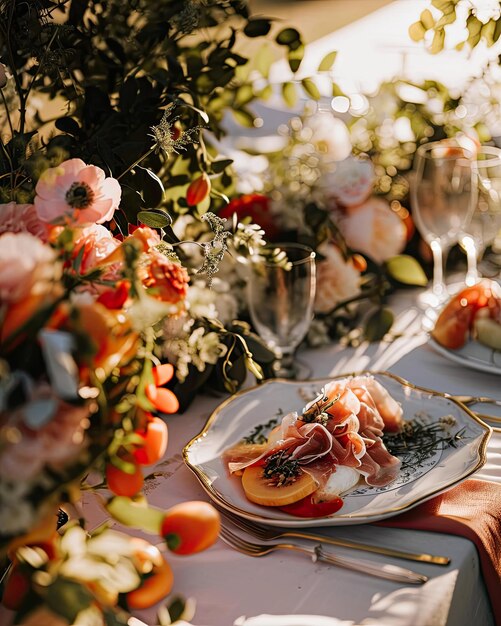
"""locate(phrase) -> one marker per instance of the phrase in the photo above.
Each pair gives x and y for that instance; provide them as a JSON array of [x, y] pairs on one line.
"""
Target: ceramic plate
[[473, 355], [418, 480]]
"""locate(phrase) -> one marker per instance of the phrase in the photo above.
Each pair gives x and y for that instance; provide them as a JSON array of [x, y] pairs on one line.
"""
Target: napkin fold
[[471, 510]]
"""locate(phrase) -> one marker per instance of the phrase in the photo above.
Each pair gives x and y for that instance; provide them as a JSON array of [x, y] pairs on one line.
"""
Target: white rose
[[374, 229]]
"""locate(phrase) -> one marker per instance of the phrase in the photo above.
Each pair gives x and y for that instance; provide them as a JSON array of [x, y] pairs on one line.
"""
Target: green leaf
[[220, 165], [68, 125], [152, 188], [154, 218], [327, 62], [437, 45], [295, 57], [264, 60], [378, 324], [497, 30], [289, 94], [243, 117], [244, 95], [443, 5], [417, 31], [67, 598], [288, 37], [405, 269], [257, 28], [311, 89], [337, 91], [427, 19]]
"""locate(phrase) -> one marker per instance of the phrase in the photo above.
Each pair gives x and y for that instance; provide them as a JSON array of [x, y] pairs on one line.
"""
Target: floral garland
[[82, 312]]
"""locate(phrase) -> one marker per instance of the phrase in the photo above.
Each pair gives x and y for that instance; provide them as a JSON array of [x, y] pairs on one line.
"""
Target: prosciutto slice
[[349, 433]]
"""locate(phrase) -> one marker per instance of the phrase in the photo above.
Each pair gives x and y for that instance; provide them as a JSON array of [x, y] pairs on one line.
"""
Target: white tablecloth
[[229, 586]]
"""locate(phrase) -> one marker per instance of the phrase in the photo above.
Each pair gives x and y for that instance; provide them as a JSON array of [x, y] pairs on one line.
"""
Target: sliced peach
[[260, 490]]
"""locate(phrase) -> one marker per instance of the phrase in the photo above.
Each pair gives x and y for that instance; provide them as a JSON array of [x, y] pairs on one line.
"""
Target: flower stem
[[141, 158]]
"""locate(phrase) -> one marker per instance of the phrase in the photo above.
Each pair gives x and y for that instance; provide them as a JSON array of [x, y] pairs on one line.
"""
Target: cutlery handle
[[391, 552], [387, 571]]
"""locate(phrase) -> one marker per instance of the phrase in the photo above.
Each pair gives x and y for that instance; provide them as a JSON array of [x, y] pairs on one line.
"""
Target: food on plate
[[475, 312], [309, 460]]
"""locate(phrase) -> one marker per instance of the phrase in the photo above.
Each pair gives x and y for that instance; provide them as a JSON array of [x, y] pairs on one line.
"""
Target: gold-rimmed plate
[[418, 480], [473, 355]]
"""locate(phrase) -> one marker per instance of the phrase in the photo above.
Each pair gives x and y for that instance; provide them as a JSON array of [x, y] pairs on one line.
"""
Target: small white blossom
[[198, 349]]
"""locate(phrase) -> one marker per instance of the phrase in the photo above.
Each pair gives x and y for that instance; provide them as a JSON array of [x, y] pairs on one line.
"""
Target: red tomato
[[308, 508], [155, 442]]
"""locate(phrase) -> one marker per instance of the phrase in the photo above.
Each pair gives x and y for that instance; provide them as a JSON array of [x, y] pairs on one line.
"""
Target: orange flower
[[114, 341], [166, 280], [162, 399]]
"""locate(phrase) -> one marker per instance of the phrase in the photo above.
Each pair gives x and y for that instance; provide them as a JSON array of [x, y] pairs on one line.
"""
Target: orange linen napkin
[[471, 510]]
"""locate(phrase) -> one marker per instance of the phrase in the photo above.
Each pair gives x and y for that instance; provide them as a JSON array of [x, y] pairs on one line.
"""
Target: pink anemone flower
[[76, 193]]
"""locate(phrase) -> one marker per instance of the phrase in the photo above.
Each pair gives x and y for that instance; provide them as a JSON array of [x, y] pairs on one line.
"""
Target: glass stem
[[439, 258], [471, 259], [284, 367]]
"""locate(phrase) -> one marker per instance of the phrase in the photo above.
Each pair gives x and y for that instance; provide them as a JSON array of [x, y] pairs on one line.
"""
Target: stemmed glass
[[486, 218], [280, 299], [443, 197]]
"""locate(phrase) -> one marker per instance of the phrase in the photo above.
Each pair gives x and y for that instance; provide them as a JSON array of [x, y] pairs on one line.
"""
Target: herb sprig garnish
[[419, 440], [318, 410], [281, 469], [260, 433]]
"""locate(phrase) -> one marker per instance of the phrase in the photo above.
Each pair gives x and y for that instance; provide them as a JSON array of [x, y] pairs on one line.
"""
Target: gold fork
[[386, 571], [470, 400], [267, 534]]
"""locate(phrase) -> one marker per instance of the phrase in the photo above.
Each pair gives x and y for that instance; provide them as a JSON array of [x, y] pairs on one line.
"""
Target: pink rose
[[21, 218], [27, 267], [349, 182], [98, 243], [76, 193], [374, 229], [337, 279]]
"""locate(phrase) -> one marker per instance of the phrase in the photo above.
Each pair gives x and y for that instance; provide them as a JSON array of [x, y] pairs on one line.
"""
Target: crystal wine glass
[[280, 299], [443, 195], [485, 222]]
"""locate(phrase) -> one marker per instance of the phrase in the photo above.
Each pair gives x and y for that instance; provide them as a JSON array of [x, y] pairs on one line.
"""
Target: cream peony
[[329, 135], [27, 267], [348, 182], [374, 229], [337, 279], [21, 218], [76, 193]]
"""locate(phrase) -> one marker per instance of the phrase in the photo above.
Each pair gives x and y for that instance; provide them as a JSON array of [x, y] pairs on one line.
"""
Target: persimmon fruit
[[155, 438], [158, 580], [121, 483], [190, 527], [260, 490]]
